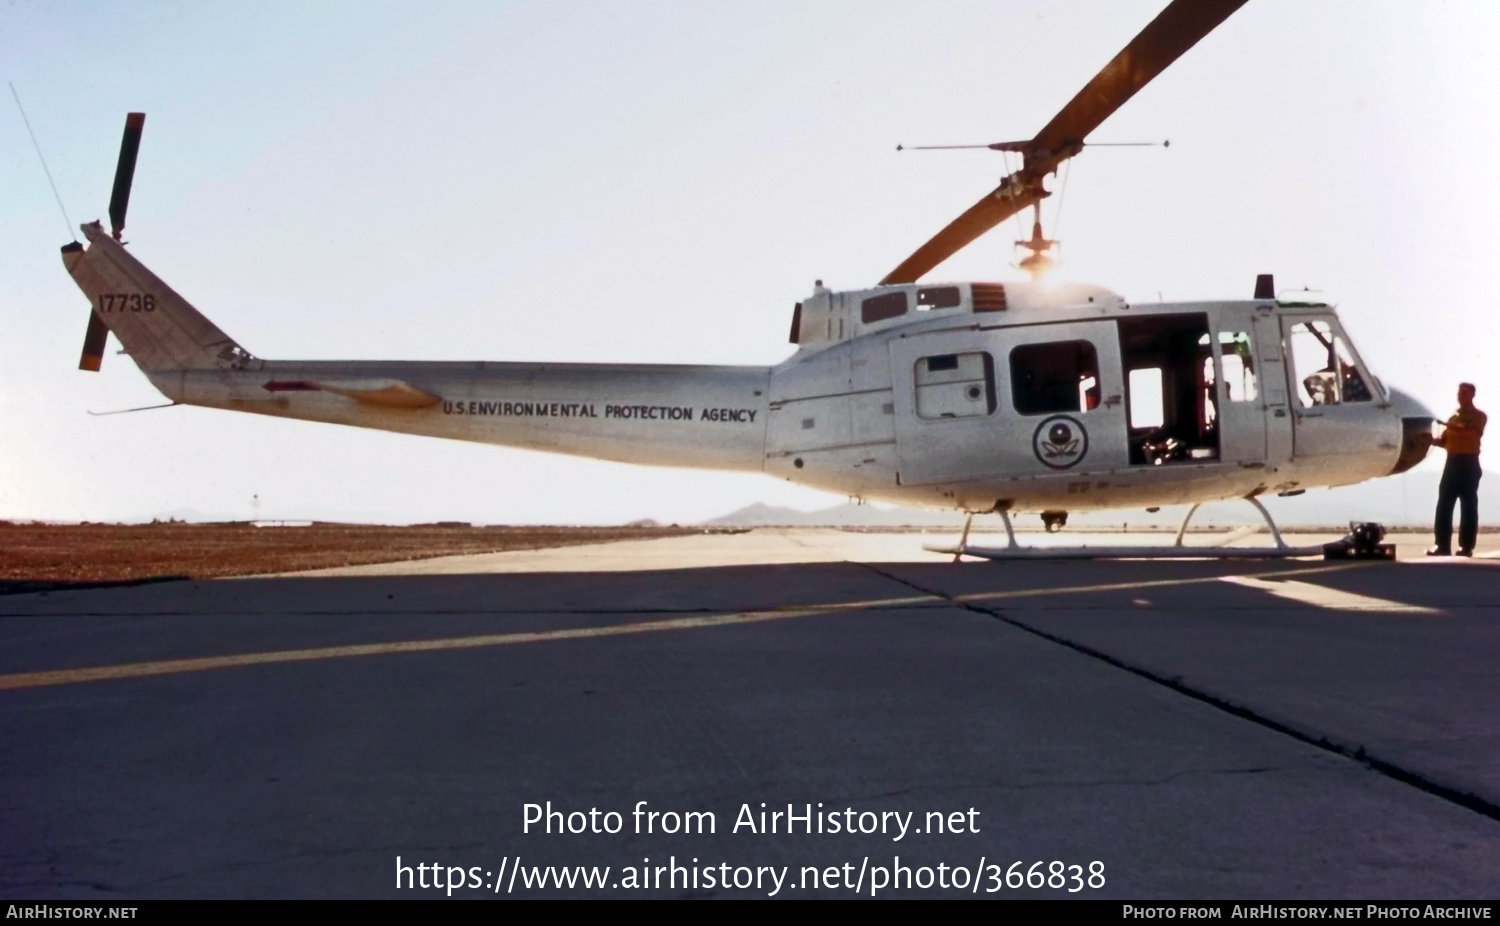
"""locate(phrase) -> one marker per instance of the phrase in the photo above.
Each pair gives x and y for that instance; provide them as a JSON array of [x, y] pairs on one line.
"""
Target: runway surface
[[1200, 729]]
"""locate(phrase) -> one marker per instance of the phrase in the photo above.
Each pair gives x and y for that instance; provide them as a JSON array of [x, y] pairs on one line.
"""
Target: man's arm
[[1452, 424], [1458, 424]]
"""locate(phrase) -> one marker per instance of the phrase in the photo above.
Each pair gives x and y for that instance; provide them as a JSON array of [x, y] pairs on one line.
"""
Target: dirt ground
[[40, 555]]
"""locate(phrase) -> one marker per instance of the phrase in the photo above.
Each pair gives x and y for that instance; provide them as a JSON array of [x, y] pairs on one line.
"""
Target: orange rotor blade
[[1176, 29]]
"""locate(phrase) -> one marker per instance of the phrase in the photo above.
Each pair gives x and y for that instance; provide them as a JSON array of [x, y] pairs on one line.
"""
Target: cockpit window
[[1354, 386], [884, 306], [1325, 368], [938, 297]]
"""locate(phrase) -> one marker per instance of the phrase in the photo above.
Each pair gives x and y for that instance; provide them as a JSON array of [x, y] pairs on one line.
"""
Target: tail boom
[[703, 417], [691, 416]]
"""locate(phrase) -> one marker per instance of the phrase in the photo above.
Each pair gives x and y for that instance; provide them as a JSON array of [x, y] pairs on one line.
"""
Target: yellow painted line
[[207, 663], [1321, 596]]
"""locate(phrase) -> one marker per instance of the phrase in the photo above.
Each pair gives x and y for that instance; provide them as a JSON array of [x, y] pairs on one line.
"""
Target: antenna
[[67, 222], [143, 408]]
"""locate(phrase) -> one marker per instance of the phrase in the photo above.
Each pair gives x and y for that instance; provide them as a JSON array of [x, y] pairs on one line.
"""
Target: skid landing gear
[[1363, 542]]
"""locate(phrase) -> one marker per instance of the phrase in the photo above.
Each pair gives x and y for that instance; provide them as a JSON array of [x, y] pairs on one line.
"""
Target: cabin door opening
[[1171, 393]]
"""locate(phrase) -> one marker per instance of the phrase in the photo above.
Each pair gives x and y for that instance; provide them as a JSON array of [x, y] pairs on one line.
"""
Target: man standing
[[1460, 483]]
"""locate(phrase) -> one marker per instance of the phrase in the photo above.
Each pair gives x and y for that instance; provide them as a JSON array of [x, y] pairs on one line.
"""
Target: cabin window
[[938, 297], [1325, 368], [955, 385], [1054, 377], [1145, 398], [886, 305], [1238, 366], [1170, 388]]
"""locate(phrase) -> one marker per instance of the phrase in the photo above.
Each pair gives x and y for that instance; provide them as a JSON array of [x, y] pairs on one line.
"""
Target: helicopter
[[977, 396]]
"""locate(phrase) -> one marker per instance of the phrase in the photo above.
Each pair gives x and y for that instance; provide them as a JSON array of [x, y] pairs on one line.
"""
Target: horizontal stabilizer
[[386, 393]]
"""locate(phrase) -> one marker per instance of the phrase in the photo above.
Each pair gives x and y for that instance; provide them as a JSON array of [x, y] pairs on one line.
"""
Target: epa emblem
[[1060, 442]]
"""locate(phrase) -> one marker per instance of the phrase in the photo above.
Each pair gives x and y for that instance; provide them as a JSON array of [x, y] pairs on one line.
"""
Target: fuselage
[[1072, 400], [977, 396]]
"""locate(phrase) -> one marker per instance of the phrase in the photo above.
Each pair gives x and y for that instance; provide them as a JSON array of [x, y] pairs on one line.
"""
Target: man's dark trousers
[[1460, 484]]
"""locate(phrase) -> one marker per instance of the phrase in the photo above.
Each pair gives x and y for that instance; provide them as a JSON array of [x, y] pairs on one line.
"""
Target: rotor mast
[[1037, 263]]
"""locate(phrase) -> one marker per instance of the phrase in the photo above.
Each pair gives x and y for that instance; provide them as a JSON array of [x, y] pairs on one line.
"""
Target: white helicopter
[[976, 396]]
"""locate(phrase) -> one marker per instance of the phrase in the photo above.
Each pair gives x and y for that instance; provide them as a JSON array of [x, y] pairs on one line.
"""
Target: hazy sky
[[661, 181]]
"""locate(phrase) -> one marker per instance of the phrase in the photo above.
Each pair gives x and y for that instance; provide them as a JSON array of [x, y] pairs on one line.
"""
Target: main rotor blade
[[130, 146], [996, 207], [1176, 29]]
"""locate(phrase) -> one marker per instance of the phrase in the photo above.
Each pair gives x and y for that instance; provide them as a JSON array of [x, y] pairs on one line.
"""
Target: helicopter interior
[[1170, 391]]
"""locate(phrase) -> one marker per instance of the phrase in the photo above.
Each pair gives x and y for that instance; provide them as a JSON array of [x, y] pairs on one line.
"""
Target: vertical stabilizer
[[158, 328]]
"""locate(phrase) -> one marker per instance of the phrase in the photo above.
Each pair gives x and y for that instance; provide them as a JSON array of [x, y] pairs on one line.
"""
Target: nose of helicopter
[[1416, 430]]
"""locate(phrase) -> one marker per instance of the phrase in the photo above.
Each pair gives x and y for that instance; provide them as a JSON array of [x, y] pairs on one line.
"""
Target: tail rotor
[[97, 336]]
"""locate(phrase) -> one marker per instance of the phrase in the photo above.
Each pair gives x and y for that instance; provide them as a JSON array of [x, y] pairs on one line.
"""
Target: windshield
[[1326, 369]]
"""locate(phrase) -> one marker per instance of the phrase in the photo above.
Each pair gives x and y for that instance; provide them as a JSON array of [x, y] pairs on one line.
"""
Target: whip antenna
[[67, 222]]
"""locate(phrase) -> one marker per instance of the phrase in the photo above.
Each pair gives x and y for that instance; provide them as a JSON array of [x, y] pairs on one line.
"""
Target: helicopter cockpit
[[1334, 377]]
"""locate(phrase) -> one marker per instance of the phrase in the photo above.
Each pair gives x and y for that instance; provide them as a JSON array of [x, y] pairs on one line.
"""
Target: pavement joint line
[[1465, 799], [53, 677]]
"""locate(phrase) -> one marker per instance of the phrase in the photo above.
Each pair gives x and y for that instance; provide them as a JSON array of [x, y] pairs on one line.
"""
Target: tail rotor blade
[[119, 201], [93, 345]]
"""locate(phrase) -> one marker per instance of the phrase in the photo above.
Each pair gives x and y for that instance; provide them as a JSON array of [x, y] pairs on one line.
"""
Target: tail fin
[[159, 329]]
